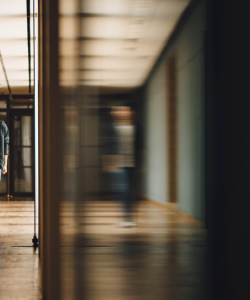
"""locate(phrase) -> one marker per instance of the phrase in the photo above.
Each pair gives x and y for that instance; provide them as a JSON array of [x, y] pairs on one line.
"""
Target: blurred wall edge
[[50, 141], [229, 148]]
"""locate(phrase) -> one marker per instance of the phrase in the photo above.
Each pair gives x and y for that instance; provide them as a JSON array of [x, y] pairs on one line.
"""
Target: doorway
[[22, 152]]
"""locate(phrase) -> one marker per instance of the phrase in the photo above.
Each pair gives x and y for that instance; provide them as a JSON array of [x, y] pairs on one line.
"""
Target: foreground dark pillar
[[228, 151], [50, 149]]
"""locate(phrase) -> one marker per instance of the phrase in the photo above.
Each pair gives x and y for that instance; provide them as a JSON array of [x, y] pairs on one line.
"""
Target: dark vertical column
[[50, 149], [229, 148], [171, 85]]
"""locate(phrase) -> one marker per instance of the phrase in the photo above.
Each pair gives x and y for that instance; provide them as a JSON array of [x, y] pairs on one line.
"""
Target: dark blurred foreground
[[100, 236]]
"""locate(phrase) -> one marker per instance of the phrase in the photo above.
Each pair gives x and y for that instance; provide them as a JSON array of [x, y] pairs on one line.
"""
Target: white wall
[[156, 176], [189, 47]]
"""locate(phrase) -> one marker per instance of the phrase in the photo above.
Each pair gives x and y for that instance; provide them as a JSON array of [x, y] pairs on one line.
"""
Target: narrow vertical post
[[50, 150], [35, 239], [172, 129]]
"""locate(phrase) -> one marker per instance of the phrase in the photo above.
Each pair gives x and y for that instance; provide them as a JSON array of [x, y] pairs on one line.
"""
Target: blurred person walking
[[122, 144]]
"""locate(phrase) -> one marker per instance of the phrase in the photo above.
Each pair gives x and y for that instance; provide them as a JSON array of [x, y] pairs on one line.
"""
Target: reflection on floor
[[19, 274], [162, 258]]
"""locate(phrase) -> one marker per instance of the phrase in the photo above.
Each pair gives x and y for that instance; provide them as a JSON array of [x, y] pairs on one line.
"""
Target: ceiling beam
[[17, 96]]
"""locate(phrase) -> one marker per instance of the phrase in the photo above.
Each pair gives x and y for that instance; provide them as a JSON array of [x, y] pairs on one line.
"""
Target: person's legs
[[119, 186], [123, 185], [124, 191], [131, 192], [128, 193]]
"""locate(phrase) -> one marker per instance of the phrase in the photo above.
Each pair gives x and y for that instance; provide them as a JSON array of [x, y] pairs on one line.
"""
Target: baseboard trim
[[173, 207], [190, 219], [170, 207]]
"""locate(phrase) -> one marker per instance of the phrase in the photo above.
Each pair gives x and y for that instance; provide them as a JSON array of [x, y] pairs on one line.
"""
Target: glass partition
[[23, 158]]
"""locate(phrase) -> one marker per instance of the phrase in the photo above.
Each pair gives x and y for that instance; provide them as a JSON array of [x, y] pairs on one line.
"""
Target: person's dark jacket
[[4, 142], [109, 139]]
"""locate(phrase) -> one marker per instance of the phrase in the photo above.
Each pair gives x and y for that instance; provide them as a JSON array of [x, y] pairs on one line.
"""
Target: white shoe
[[127, 224], [122, 224], [130, 224]]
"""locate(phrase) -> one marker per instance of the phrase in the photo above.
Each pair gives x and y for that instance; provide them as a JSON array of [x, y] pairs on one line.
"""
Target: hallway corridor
[[19, 274]]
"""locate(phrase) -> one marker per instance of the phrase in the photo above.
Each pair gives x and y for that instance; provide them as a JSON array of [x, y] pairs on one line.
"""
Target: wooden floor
[[19, 272], [163, 257]]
